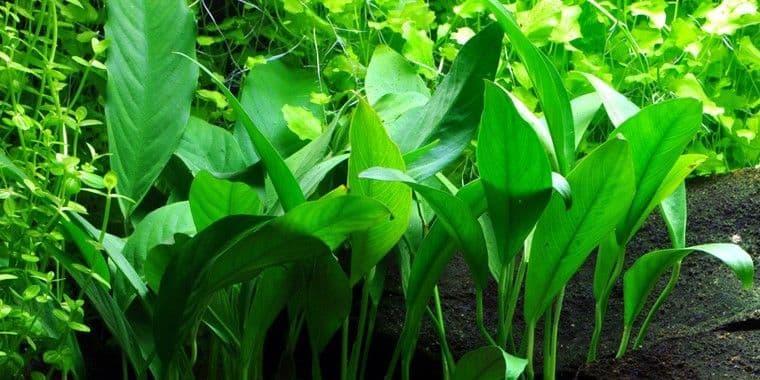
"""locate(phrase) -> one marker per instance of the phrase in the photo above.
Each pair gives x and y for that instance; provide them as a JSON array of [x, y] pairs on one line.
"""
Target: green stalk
[[552, 332], [514, 295], [530, 332], [600, 308], [501, 306], [441, 326], [624, 341], [674, 275], [353, 365], [480, 318], [344, 351], [368, 341]]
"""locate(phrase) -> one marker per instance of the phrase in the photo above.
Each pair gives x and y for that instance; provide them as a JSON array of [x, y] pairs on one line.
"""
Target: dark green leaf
[[212, 199], [207, 147], [149, 90]]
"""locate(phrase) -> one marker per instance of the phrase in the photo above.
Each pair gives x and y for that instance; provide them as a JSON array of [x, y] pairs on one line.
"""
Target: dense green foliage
[[275, 159]]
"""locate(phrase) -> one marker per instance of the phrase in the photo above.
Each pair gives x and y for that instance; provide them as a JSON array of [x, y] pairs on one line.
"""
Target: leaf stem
[[674, 275]]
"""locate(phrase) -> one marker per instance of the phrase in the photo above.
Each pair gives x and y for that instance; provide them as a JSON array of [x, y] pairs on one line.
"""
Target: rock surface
[[709, 326]]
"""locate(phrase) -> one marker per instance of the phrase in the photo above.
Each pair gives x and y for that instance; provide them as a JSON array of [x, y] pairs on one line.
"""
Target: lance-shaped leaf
[[514, 170], [657, 135], [208, 147], [371, 146], [618, 107], [603, 187], [454, 215], [451, 116], [149, 89], [212, 199], [238, 248], [641, 278], [7, 166], [435, 251], [489, 362], [268, 88], [549, 88], [282, 178], [673, 210], [158, 227]]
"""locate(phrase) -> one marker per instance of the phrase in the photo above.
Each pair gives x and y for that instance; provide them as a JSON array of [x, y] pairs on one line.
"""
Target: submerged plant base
[[708, 327]]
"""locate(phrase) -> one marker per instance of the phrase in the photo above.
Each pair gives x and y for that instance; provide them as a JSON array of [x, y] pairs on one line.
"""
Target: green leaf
[[92, 256], [266, 90], [212, 199], [149, 90], [389, 73], [238, 248], [434, 252], [453, 214], [618, 107], [324, 315], [548, 84], [302, 122], [158, 227], [207, 147], [282, 178], [489, 362], [674, 213], [514, 169], [371, 146], [641, 278], [584, 108], [452, 113], [603, 187], [657, 135]]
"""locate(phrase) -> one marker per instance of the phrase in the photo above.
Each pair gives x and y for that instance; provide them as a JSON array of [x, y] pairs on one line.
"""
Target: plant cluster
[[255, 187]]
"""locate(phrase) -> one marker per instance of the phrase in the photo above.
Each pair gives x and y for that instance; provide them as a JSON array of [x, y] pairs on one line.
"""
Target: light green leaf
[[371, 146], [514, 169], [149, 89], [302, 122], [389, 72], [641, 278], [603, 186], [618, 107], [548, 84]]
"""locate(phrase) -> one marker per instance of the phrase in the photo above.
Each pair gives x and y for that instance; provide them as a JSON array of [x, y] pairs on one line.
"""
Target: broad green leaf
[[282, 178], [266, 90], [207, 147], [672, 182], [453, 111], [371, 146], [674, 213], [453, 214], [618, 107], [489, 362], [92, 256], [657, 136], [158, 227], [514, 169], [324, 315], [238, 248], [212, 199], [302, 122], [548, 84], [603, 187], [149, 89], [641, 278], [435, 251], [389, 73]]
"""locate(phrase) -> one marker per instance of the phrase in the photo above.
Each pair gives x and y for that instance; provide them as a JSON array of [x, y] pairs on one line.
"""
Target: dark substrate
[[708, 328]]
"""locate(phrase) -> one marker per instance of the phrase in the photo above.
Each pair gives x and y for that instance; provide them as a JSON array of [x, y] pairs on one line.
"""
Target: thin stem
[[353, 365], [442, 332], [501, 306], [674, 275], [600, 309], [550, 364], [480, 319], [530, 332], [513, 296], [624, 341], [344, 351], [106, 214]]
